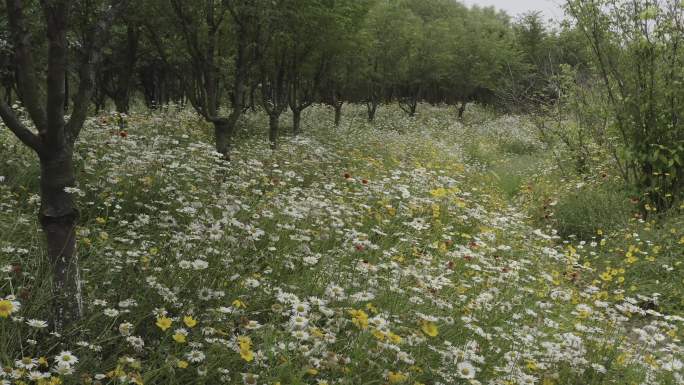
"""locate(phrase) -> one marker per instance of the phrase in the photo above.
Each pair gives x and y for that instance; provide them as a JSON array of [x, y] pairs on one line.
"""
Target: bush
[[589, 208]]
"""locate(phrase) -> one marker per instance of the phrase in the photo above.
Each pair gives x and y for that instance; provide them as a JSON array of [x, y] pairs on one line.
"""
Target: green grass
[[425, 261], [588, 209]]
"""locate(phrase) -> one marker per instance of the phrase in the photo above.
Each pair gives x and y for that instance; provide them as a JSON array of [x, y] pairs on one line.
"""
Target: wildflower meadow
[[386, 253]]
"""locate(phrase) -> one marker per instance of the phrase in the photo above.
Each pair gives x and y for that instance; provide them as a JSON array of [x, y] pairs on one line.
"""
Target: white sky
[[550, 8]]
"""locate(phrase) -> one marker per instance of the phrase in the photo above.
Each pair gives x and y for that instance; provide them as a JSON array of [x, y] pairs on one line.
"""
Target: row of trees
[[62, 57], [224, 56]]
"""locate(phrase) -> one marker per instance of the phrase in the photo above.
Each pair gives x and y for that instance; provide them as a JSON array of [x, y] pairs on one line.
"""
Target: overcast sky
[[550, 8]]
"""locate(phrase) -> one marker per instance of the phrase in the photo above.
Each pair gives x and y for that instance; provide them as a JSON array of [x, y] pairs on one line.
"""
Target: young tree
[[273, 49], [341, 53], [117, 74], [388, 36], [426, 59], [204, 31], [637, 50], [44, 100], [482, 52]]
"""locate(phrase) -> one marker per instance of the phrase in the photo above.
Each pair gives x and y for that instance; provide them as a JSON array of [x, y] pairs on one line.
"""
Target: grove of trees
[[61, 60]]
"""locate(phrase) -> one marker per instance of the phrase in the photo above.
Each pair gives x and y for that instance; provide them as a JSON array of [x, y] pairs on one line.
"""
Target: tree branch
[[28, 86], [91, 57], [24, 134]]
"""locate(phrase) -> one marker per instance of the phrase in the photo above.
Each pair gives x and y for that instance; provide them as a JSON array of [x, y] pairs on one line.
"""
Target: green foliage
[[392, 216], [636, 48], [581, 212]]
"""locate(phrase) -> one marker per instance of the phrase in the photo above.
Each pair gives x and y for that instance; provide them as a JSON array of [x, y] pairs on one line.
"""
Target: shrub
[[589, 208]]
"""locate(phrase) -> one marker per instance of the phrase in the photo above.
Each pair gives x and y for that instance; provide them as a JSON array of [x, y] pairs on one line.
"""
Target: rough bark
[[58, 217]]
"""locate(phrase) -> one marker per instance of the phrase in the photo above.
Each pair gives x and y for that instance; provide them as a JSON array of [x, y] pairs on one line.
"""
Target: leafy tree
[[388, 34], [205, 30], [44, 99], [482, 55], [341, 53], [116, 74], [637, 50]]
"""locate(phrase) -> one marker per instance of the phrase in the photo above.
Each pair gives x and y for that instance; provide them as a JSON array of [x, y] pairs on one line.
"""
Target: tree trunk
[[296, 121], [252, 98], [58, 217], [338, 113], [223, 131], [8, 95], [461, 110], [273, 130], [66, 91], [372, 107], [121, 102]]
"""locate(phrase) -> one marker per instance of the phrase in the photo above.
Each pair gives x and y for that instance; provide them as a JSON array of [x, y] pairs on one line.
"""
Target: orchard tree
[[205, 28], [389, 33], [6, 62], [340, 53], [304, 59], [426, 60], [274, 48], [482, 52], [116, 75], [42, 93]]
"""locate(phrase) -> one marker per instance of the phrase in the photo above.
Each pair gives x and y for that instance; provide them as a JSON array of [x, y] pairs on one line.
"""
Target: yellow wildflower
[[245, 345], [396, 377], [179, 337], [182, 364], [164, 323], [239, 304], [606, 276], [429, 328], [396, 339], [189, 321], [359, 318], [7, 307]]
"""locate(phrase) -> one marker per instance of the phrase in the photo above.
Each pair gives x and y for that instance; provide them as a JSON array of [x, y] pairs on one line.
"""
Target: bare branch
[[24, 134]]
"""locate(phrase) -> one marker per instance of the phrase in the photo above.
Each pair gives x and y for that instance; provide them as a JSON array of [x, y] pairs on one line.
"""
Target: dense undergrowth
[[412, 251]]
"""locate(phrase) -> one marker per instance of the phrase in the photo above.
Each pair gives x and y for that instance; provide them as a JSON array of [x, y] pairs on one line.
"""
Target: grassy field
[[412, 251]]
